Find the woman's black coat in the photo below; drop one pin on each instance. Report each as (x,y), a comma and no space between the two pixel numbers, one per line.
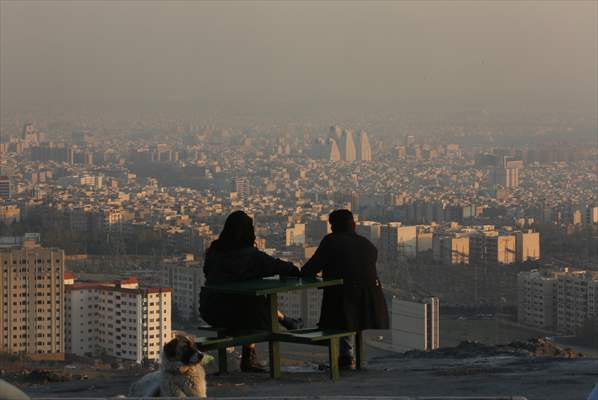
(239,311)
(359,303)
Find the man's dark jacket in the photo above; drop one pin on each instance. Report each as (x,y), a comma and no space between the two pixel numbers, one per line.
(359,303)
(238,311)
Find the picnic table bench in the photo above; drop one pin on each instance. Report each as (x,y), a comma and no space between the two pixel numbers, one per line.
(270,288)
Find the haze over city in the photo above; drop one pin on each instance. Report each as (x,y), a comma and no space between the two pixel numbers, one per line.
(322,57)
(222,186)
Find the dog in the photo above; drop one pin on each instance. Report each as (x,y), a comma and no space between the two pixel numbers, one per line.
(181,373)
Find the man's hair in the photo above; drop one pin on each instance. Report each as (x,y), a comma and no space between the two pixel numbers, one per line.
(341,220)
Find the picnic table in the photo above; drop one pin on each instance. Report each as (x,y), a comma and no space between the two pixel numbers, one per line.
(270,287)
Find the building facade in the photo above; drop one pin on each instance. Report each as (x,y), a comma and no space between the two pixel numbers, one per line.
(450,249)
(576,300)
(117,319)
(537,299)
(185,278)
(562,301)
(32,307)
(415,324)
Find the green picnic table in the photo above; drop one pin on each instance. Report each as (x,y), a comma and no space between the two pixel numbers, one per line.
(270,287)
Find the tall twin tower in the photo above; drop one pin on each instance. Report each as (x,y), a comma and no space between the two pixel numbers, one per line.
(341,146)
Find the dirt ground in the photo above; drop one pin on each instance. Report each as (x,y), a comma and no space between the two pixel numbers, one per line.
(387,374)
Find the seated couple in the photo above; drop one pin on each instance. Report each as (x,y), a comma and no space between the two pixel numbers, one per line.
(356,305)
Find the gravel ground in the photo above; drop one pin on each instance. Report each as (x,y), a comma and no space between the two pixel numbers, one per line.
(386,375)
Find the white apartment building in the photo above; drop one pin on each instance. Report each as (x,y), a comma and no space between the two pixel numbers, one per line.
(415,324)
(32,299)
(117,318)
(537,299)
(562,300)
(185,278)
(576,300)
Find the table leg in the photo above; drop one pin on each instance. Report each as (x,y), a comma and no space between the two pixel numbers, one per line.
(222,358)
(274,346)
(359,350)
(333,353)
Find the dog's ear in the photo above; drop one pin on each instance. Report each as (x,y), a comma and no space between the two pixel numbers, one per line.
(170,348)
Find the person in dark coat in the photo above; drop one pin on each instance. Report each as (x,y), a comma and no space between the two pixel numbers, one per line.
(233,257)
(359,303)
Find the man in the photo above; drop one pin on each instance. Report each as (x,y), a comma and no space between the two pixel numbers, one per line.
(359,303)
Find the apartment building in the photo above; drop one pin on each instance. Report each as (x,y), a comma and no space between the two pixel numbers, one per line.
(117,318)
(562,300)
(369,230)
(528,246)
(415,324)
(397,241)
(537,299)
(492,247)
(185,277)
(9,213)
(315,230)
(4,187)
(32,292)
(425,238)
(576,300)
(304,304)
(450,248)
(295,235)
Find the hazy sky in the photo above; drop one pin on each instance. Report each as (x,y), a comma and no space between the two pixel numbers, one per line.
(504,54)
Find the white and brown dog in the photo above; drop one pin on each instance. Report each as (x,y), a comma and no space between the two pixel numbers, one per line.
(181,373)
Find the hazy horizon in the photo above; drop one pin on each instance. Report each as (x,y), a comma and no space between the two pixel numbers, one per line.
(257,56)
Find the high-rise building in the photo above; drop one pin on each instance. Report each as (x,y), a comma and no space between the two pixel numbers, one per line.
(450,248)
(364,150)
(117,318)
(30,134)
(348,151)
(9,213)
(32,307)
(563,300)
(492,247)
(590,214)
(332,152)
(528,246)
(335,132)
(369,230)
(506,172)
(577,300)
(537,299)
(185,278)
(315,230)
(397,241)
(304,304)
(295,235)
(4,187)
(241,187)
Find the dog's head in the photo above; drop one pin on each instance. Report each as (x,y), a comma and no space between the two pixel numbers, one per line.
(181,351)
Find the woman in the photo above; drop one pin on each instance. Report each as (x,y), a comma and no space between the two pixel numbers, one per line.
(233,257)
